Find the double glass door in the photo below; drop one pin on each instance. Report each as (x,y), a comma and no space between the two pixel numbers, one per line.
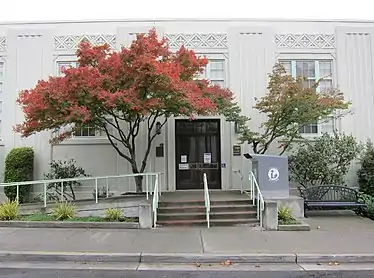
(197,152)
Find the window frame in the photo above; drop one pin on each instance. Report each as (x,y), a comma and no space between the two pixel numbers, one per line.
(316,57)
(2,79)
(98,139)
(216,57)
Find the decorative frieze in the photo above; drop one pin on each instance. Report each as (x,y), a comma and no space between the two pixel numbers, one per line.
(2,44)
(71,42)
(197,40)
(305,40)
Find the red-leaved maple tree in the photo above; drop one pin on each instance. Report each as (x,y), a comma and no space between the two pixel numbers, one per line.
(119,92)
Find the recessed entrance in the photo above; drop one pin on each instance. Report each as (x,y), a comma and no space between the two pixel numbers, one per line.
(198,151)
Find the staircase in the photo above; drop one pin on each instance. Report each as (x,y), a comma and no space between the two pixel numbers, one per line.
(228,208)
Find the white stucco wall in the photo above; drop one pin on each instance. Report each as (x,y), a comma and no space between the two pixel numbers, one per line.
(249,48)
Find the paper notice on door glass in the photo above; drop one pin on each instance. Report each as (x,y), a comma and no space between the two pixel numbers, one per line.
(184,166)
(207,158)
(184,158)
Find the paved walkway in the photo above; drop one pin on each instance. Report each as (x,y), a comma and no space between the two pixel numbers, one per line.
(343,233)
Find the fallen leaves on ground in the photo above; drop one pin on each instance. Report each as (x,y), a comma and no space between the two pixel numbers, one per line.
(226,263)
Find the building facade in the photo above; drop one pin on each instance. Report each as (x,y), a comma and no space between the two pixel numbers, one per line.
(241,53)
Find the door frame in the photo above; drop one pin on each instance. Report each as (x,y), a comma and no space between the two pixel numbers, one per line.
(219,149)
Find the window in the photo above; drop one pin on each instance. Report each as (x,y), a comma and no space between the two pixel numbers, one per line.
(1,91)
(61,65)
(312,71)
(91,131)
(86,130)
(215,72)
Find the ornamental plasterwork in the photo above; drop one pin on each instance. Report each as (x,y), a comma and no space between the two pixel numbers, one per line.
(71,42)
(305,40)
(198,41)
(2,44)
(209,40)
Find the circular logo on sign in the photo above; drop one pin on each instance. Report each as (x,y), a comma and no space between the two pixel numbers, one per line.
(273,174)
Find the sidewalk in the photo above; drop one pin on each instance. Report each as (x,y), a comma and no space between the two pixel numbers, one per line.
(335,235)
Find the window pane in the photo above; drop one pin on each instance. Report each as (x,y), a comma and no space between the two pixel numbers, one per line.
(309,83)
(305,68)
(309,129)
(92,131)
(217,64)
(1,69)
(216,74)
(65,65)
(325,69)
(325,85)
(1,87)
(287,66)
(220,83)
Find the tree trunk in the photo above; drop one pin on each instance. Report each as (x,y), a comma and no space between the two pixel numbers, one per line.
(139,184)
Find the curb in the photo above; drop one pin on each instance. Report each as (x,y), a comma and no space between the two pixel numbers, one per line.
(82,257)
(341,258)
(70,225)
(180,258)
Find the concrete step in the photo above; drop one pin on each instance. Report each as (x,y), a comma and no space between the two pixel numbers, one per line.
(201,208)
(202,215)
(203,222)
(193,203)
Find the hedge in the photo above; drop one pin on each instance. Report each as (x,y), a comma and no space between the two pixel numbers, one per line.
(19,166)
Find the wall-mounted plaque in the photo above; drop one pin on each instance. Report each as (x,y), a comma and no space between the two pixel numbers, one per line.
(160,151)
(236,150)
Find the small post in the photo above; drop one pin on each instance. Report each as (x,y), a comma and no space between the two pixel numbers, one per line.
(258,204)
(146,185)
(107,188)
(17,196)
(96,193)
(62,191)
(159,183)
(45,194)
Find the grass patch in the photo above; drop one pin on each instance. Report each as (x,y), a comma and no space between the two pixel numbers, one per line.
(289,222)
(48,217)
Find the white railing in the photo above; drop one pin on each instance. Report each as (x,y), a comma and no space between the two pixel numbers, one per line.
(96,180)
(206,199)
(156,196)
(256,196)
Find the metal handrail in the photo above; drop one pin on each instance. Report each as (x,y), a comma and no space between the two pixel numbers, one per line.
(206,199)
(256,196)
(156,197)
(96,179)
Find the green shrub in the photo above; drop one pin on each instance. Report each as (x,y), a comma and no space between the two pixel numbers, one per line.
(19,166)
(9,210)
(285,214)
(323,161)
(113,214)
(366,173)
(63,170)
(64,211)
(368,212)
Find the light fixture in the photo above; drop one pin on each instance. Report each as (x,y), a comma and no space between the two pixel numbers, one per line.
(236,127)
(158,128)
